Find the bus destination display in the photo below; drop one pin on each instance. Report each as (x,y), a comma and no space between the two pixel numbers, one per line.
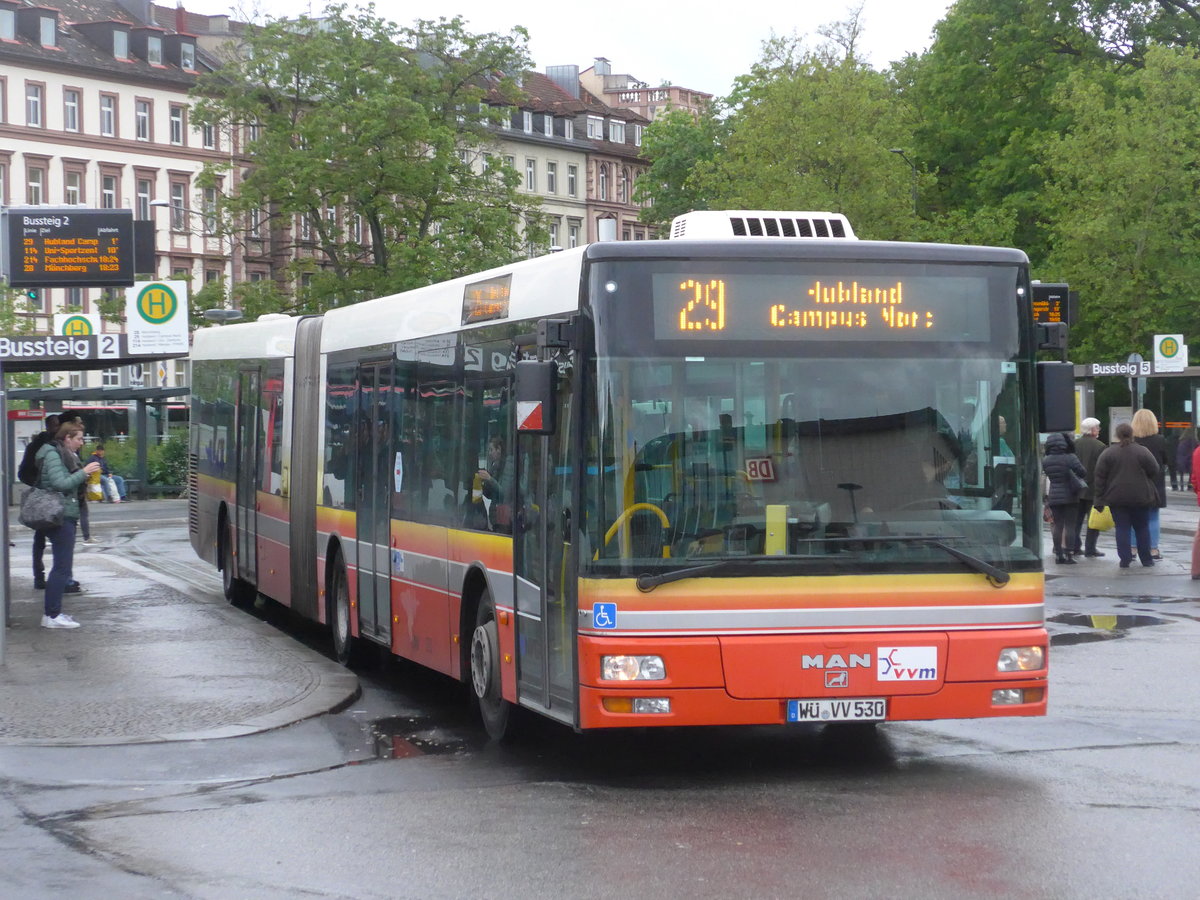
(69,247)
(831,307)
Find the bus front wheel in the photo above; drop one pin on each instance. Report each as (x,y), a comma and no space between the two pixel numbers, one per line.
(237,591)
(485,670)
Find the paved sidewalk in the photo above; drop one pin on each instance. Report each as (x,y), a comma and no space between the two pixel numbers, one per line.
(160,655)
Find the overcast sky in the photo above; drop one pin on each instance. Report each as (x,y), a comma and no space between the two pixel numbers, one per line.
(697,45)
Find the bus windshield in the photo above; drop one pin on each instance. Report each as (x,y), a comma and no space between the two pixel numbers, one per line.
(857,458)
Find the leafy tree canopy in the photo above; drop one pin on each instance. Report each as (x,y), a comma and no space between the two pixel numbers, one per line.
(371,135)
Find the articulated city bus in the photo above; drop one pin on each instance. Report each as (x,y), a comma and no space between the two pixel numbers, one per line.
(761,472)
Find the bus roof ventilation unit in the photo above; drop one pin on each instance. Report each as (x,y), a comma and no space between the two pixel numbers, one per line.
(713,225)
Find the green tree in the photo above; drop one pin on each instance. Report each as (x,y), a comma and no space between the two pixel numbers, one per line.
(814,130)
(676,143)
(366,128)
(1122,188)
(16,318)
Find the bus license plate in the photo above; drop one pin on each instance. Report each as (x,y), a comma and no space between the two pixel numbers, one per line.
(861,709)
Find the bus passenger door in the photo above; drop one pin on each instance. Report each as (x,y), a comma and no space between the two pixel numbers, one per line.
(544,565)
(373,495)
(249,472)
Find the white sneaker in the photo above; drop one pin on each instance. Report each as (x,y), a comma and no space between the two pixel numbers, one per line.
(62,620)
(91,540)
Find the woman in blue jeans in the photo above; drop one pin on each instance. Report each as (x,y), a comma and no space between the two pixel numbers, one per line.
(1125,481)
(59,469)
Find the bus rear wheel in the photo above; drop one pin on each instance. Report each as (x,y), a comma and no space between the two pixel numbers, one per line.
(494,710)
(237,591)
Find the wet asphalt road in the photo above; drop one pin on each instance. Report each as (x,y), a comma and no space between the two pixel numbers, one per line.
(399,796)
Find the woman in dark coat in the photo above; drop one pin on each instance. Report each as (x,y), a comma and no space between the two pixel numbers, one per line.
(1125,481)
(1145,432)
(1059,463)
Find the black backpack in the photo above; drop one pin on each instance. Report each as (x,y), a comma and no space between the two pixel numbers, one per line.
(27,472)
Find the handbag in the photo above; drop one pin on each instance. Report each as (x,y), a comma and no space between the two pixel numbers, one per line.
(1101,519)
(1078,485)
(41,509)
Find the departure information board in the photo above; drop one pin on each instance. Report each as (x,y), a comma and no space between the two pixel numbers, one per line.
(68,247)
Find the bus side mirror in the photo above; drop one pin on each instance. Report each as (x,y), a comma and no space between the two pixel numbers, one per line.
(1056,396)
(537,412)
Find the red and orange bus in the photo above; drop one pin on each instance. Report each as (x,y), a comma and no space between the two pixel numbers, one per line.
(761,472)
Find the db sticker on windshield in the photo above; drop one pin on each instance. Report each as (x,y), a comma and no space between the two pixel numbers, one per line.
(760,469)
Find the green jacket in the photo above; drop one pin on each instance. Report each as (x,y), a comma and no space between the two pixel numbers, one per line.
(55,477)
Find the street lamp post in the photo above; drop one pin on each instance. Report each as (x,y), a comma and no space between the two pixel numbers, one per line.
(900,152)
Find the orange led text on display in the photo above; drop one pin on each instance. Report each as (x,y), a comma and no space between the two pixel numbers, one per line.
(836,306)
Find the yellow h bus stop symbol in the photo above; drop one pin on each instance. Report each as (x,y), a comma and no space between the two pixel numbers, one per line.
(157,303)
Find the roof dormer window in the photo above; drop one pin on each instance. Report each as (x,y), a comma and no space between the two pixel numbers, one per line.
(8,24)
(187,56)
(121,44)
(154,50)
(47,26)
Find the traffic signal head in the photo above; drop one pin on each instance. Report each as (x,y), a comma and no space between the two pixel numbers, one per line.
(32,295)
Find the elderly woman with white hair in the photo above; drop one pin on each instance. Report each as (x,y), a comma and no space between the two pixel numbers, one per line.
(1088,448)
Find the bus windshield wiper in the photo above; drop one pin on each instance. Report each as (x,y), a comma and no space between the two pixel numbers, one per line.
(647,582)
(996,576)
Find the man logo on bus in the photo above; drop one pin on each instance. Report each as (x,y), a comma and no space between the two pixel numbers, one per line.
(157,304)
(907,664)
(77,326)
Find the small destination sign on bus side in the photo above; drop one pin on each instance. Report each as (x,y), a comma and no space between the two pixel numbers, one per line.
(68,247)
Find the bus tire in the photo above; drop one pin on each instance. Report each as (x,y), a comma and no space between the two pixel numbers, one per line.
(238,592)
(494,710)
(345,645)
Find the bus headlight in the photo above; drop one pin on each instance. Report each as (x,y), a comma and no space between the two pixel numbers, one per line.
(632,668)
(1021,659)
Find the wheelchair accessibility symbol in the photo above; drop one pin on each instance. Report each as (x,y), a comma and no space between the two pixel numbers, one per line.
(604,615)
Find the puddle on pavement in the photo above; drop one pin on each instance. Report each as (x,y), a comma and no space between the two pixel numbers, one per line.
(1099,627)
(407,736)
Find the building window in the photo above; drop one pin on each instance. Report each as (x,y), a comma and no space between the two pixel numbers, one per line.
(531,174)
(623,187)
(75,298)
(254,224)
(33,105)
(602,191)
(637,135)
(49,33)
(73,188)
(210,210)
(36,178)
(121,44)
(8,24)
(253,130)
(527,121)
(569,129)
(108,115)
(572,181)
(572,234)
(305,227)
(548,125)
(141,116)
(595,127)
(178,206)
(551,178)
(187,56)
(553,234)
(616,131)
(506,120)
(108,191)
(356,229)
(144,194)
(176,124)
(70,110)
(154,50)
(209,136)
(110,377)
